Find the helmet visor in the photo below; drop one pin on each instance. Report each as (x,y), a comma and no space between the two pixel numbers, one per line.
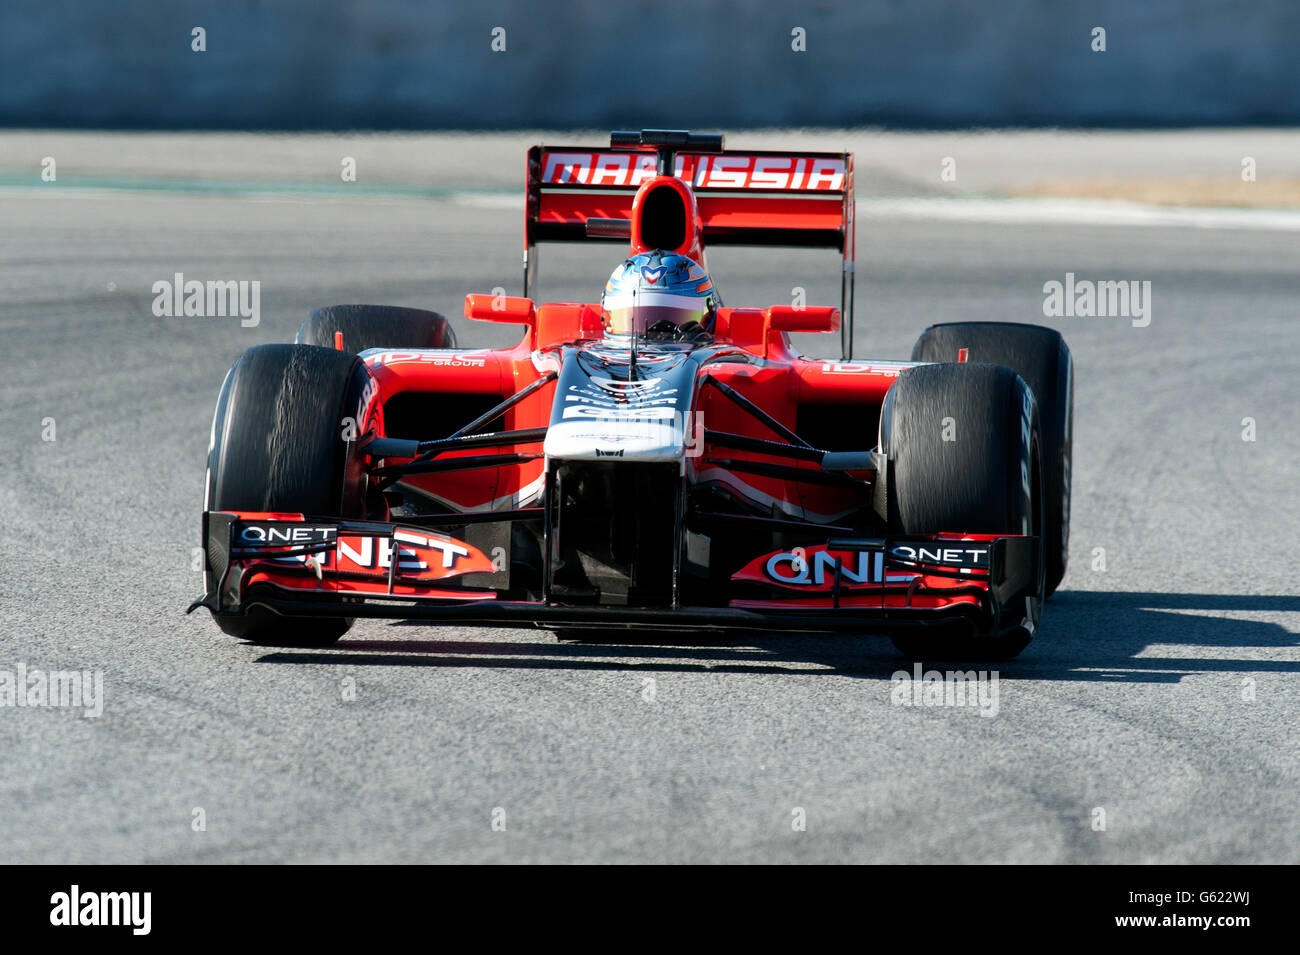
(628,315)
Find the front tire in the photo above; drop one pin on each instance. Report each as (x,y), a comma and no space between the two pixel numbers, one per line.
(281,442)
(963,448)
(1040,356)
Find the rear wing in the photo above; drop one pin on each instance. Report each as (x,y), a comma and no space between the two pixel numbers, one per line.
(745,197)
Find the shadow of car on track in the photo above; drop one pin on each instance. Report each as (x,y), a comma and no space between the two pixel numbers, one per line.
(1087,636)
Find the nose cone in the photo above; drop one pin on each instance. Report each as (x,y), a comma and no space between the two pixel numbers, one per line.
(604,412)
(591,435)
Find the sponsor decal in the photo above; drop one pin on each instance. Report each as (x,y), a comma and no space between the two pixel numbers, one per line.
(614,411)
(608,391)
(606,437)
(284,535)
(814,567)
(644,429)
(440,358)
(967,556)
(888,369)
(377,552)
(600,169)
(424,555)
(817,568)
(367,398)
(760,173)
(616,386)
(614,400)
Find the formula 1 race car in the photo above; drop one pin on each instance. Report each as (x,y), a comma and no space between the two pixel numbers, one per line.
(654,461)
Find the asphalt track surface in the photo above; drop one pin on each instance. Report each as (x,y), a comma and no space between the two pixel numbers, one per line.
(1162,689)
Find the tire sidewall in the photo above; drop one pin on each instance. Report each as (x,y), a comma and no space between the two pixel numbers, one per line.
(1039,355)
(1006,463)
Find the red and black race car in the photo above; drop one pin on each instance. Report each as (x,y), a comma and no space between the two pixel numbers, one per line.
(655,461)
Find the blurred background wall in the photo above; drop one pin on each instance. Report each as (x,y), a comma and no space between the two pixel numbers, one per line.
(323,64)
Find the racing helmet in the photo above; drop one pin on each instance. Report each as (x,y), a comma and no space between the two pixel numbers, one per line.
(658,293)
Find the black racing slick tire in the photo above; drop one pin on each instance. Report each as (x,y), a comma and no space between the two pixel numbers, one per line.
(1040,356)
(376,326)
(963,452)
(282,441)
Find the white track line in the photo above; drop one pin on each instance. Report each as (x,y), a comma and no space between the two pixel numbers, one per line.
(1102,212)
(994,211)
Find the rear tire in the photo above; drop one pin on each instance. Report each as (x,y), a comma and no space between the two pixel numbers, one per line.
(964,455)
(376,326)
(1040,356)
(278,445)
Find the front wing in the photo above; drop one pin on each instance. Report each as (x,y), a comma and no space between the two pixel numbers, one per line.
(306,567)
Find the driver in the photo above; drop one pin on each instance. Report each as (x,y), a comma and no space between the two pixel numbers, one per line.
(660,296)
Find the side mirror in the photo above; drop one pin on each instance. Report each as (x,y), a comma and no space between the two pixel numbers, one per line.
(810,318)
(510,309)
